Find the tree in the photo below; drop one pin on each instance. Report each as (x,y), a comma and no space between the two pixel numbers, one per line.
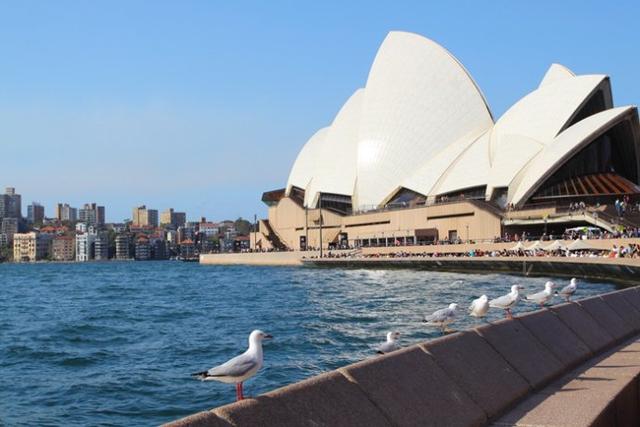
(243,227)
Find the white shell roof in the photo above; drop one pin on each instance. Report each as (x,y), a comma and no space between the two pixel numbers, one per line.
(418,100)
(338,156)
(556,72)
(470,169)
(421,123)
(305,167)
(534,122)
(568,143)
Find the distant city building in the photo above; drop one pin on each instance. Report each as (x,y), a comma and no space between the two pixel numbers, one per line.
(187,249)
(64,212)
(81,227)
(101,247)
(92,214)
(10,204)
(172,237)
(35,213)
(4,240)
(170,217)
(209,229)
(159,250)
(122,247)
(85,246)
(63,248)
(186,232)
(30,247)
(142,249)
(142,217)
(9,227)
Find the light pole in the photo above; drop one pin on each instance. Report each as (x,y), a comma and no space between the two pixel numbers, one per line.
(320,202)
(255,232)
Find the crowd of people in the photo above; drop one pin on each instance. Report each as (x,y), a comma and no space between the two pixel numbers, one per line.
(631,250)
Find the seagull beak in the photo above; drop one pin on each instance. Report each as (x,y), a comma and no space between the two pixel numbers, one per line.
(268,336)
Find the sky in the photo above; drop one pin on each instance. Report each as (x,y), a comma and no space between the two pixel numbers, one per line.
(203,105)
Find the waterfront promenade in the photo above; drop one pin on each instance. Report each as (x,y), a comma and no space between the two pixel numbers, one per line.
(573,364)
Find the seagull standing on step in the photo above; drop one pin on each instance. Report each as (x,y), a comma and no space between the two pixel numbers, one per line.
(542,297)
(240,368)
(568,291)
(391,344)
(442,317)
(508,301)
(479,307)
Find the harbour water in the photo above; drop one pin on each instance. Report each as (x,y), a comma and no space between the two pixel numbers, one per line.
(114,343)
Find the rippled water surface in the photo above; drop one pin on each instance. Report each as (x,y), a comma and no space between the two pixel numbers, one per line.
(114,343)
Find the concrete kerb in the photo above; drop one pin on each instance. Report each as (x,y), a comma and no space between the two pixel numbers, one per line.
(201,419)
(561,341)
(530,358)
(412,390)
(624,309)
(325,400)
(602,313)
(584,326)
(632,295)
(479,370)
(601,392)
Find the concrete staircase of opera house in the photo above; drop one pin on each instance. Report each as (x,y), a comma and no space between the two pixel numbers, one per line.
(574,364)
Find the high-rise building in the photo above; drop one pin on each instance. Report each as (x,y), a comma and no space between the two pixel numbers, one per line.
(122,246)
(143,248)
(10,204)
(29,247)
(9,227)
(62,248)
(101,247)
(92,214)
(143,217)
(85,246)
(35,213)
(64,212)
(170,217)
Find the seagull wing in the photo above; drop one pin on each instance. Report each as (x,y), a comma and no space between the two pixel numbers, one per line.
(439,315)
(386,347)
(568,290)
(502,302)
(537,296)
(473,305)
(236,367)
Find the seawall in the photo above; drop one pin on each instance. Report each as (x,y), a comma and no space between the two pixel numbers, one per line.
(621,270)
(574,364)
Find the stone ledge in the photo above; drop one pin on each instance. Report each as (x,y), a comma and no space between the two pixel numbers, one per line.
(471,378)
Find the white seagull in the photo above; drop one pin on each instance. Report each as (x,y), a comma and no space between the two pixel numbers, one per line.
(391,344)
(508,301)
(568,291)
(442,317)
(479,307)
(543,296)
(240,368)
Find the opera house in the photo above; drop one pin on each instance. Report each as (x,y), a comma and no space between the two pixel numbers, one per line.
(416,156)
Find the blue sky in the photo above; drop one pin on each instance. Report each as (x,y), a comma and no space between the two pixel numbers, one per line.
(202,105)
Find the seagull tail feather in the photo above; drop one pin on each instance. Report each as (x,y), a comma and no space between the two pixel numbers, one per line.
(202,374)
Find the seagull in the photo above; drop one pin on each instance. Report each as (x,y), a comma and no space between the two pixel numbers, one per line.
(479,307)
(240,368)
(508,301)
(568,291)
(544,296)
(390,344)
(442,317)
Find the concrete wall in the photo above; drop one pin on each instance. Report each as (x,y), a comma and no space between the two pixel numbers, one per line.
(623,270)
(292,258)
(572,364)
(288,220)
